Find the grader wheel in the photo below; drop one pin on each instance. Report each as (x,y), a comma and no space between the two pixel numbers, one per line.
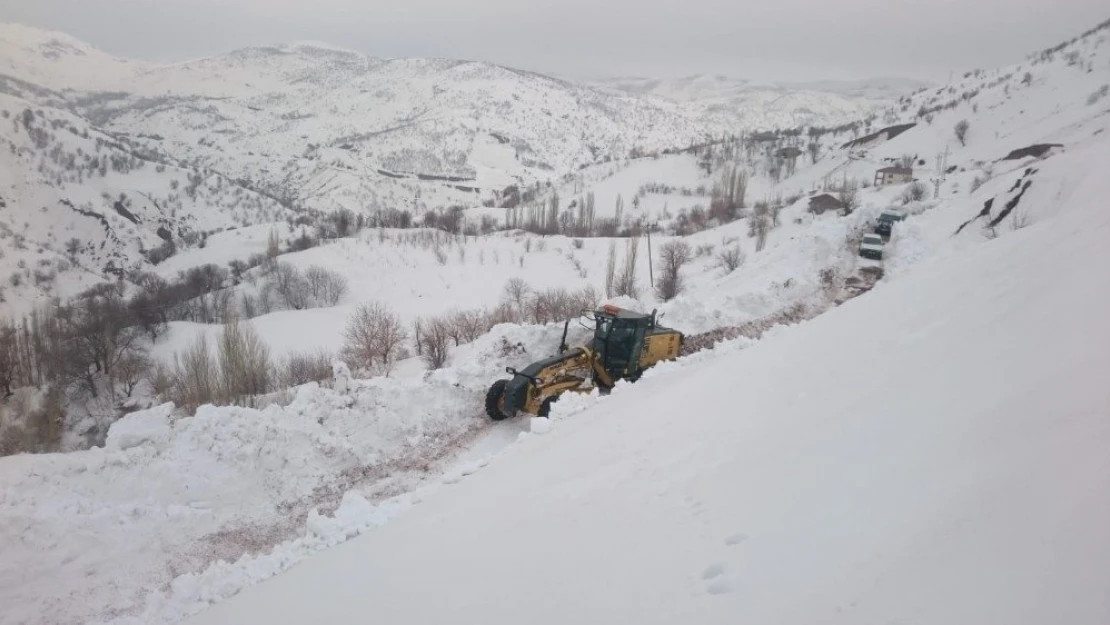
(495,400)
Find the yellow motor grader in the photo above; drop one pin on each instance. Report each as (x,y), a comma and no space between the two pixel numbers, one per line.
(624,345)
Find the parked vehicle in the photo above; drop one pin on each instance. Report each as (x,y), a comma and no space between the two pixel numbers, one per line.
(871,247)
(886,222)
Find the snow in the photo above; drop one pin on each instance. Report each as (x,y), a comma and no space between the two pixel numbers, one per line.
(928,469)
(149,427)
(932,451)
(169,497)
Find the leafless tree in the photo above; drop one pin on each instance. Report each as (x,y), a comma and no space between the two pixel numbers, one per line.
(293,288)
(301,368)
(961,131)
(245,366)
(373,336)
(516,293)
(849,197)
(327,287)
(626,281)
(672,256)
(132,369)
(436,340)
(333,289)
(468,325)
(611,271)
(731,257)
(9,357)
(195,376)
(914,193)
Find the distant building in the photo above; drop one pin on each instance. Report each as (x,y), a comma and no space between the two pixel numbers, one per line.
(893,175)
(818,204)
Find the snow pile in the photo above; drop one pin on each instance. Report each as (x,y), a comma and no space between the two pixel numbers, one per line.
(148,427)
(202,499)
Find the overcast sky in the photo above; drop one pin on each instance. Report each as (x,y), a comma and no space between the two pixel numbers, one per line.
(757,39)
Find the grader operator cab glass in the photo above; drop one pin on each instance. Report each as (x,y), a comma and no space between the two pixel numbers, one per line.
(616,339)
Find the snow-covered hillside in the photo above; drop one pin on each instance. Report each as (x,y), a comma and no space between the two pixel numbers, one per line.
(81,206)
(930,452)
(734,104)
(919,438)
(881,437)
(335,127)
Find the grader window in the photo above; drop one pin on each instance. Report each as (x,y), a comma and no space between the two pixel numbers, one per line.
(616,339)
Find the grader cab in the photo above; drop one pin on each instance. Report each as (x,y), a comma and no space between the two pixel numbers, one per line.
(624,345)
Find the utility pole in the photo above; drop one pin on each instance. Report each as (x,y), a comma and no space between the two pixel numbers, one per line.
(942,172)
(651,272)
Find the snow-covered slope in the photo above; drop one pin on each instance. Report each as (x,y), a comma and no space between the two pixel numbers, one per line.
(756,105)
(336,128)
(80,206)
(738,105)
(934,451)
(58,61)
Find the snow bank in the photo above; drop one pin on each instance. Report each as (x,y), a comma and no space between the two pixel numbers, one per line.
(148,427)
(195,504)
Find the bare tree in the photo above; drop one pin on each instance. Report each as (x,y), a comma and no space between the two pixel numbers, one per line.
(160,378)
(849,197)
(672,257)
(436,339)
(101,334)
(273,249)
(47,424)
(315,276)
(611,271)
(516,293)
(291,286)
(468,325)
(333,288)
(814,150)
(132,369)
(9,358)
(327,287)
(914,193)
(245,367)
(194,379)
(302,368)
(760,224)
(961,131)
(626,282)
(730,258)
(418,336)
(373,336)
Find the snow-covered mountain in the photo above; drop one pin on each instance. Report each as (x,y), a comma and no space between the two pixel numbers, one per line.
(719,99)
(312,127)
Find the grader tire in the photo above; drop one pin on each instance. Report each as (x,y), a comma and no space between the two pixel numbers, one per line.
(545,407)
(495,400)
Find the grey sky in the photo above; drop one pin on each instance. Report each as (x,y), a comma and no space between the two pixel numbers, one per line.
(762,40)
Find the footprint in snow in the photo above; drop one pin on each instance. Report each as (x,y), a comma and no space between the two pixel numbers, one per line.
(716,583)
(719,586)
(716,569)
(736,539)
